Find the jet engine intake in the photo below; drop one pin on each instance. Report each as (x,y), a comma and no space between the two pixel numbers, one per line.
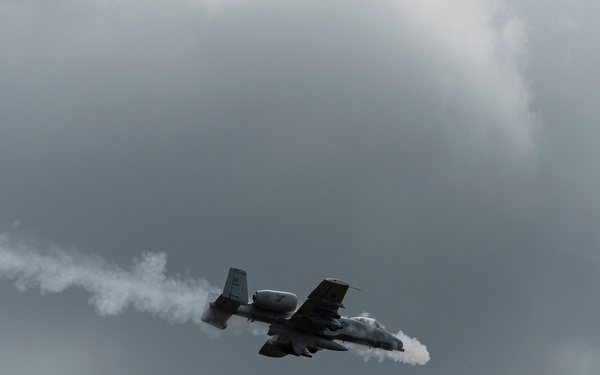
(275,300)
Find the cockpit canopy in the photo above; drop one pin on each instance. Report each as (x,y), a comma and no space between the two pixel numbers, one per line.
(370,321)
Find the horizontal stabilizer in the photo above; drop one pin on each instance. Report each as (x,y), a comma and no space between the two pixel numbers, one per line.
(214,316)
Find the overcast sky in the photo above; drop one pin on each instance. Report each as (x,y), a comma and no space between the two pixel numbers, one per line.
(442,156)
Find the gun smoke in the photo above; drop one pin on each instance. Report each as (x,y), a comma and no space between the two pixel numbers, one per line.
(414,353)
(143,287)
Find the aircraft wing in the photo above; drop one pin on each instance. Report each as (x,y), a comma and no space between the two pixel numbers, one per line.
(274,348)
(320,311)
(298,344)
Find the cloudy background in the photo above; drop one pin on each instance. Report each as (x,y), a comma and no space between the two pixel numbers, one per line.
(441,156)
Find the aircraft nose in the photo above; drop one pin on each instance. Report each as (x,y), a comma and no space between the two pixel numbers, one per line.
(400,346)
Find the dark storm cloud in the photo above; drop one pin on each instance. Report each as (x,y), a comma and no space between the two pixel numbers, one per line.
(438,156)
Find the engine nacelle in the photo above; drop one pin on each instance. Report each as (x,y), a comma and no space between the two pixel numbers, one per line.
(275,300)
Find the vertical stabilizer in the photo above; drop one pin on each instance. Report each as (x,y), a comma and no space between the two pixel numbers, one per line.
(236,287)
(219,309)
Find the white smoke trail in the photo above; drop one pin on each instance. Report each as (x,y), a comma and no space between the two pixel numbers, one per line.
(144,287)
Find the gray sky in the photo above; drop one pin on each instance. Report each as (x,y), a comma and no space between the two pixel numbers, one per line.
(441,156)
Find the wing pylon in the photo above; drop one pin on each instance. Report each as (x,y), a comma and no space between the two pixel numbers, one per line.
(320,311)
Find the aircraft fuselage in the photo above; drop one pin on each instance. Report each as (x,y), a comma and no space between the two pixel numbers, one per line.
(350,330)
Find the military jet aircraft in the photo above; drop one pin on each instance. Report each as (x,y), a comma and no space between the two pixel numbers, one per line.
(314,326)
